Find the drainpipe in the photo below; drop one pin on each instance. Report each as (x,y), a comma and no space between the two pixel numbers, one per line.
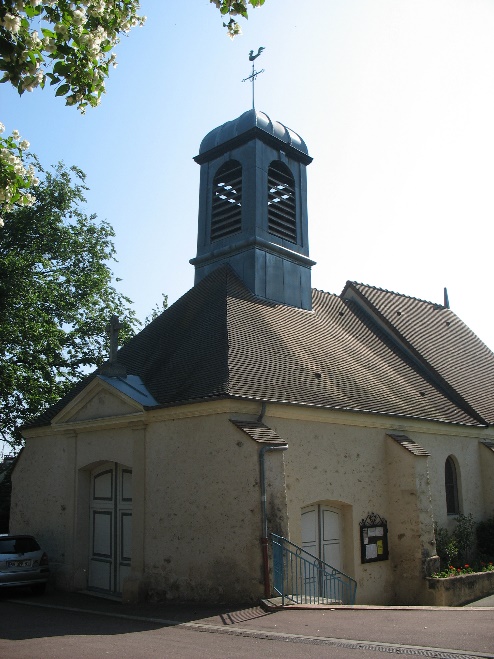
(264,538)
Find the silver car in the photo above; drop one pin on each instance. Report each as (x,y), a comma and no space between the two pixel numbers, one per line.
(23,563)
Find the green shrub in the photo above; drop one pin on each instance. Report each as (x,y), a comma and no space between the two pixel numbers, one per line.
(446,547)
(485,539)
(465,537)
(458,547)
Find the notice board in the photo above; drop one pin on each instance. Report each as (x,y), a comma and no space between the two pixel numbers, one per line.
(373,539)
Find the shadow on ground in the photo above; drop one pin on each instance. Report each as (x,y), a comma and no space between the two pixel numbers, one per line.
(23,615)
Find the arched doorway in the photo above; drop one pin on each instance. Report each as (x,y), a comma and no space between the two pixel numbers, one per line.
(110,522)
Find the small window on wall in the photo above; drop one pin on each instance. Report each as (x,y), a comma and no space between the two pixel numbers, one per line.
(226,217)
(281,202)
(451,484)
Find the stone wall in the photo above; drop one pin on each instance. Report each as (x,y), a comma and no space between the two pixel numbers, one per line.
(456,591)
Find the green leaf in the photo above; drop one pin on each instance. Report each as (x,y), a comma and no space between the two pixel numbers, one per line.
(31,11)
(62,68)
(54,79)
(62,90)
(64,49)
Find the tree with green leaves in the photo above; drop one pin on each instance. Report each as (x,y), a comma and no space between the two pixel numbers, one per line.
(57,294)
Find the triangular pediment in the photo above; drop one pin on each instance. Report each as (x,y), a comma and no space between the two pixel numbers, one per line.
(99,400)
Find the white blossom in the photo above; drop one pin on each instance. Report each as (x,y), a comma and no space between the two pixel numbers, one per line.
(35,40)
(12,23)
(79,17)
(62,30)
(50,45)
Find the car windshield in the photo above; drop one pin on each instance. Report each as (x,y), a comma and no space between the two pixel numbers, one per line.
(18,545)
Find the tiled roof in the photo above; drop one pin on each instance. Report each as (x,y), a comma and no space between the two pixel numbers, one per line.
(408,444)
(441,341)
(259,432)
(220,341)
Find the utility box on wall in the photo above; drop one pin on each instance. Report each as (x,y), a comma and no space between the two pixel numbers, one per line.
(373,539)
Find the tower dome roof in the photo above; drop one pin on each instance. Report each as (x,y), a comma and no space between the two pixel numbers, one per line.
(247,121)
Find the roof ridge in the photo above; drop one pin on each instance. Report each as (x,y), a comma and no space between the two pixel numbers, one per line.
(321,290)
(387,290)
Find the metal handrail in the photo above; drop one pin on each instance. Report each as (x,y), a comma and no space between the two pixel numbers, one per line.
(306,579)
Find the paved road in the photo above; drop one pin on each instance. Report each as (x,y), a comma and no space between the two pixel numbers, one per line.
(74,625)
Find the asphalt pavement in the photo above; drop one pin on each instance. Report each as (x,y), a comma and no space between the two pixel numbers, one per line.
(439,632)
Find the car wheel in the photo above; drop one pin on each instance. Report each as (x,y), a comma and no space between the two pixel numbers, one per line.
(38,588)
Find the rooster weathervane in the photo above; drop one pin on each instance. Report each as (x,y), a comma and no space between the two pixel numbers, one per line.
(254,73)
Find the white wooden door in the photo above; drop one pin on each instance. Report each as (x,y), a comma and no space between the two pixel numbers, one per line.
(330,536)
(321,533)
(110,528)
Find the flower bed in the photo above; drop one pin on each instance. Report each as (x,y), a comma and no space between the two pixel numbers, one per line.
(457,586)
(465,569)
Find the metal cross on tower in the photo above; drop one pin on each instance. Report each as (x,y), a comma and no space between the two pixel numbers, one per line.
(254,73)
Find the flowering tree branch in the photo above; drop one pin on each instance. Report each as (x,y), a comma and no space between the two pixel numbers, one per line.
(71,45)
(68,44)
(233,9)
(17,176)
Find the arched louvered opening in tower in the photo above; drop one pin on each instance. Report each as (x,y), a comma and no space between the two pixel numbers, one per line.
(227,200)
(281,202)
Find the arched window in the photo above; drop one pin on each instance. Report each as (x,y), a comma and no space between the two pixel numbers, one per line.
(451,485)
(226,216)
(281,202)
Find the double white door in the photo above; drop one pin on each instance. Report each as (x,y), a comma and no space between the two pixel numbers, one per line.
(321,533)
(110,527)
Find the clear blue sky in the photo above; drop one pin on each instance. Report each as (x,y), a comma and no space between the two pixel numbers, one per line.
(394,98)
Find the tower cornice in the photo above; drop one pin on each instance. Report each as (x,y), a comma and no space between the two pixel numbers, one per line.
(253,133)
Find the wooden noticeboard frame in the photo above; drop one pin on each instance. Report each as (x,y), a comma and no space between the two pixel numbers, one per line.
(374,539)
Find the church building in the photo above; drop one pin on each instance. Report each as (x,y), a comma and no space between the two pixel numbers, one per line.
(347,425)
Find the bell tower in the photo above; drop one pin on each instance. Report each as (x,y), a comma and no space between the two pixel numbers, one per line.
(253,208)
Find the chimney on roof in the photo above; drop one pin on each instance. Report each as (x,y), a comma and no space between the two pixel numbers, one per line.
(446,298)
(112,368)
